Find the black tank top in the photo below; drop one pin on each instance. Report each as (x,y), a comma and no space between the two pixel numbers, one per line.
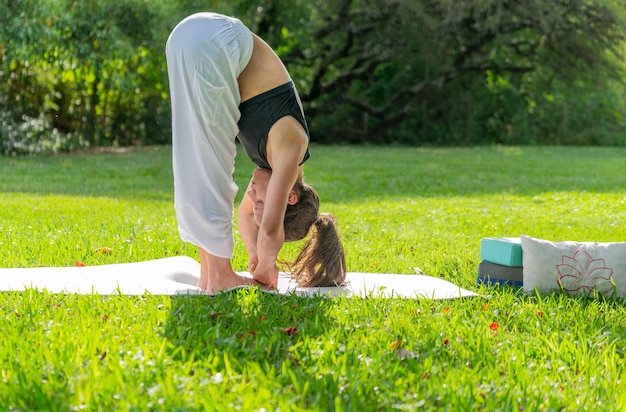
(260,113)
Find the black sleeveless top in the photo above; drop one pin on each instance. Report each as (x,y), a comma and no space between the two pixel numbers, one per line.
(260,113)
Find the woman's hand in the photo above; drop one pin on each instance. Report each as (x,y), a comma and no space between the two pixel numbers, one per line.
(267,276)
(252,263)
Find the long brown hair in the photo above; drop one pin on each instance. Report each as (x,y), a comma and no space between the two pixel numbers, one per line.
(321,261)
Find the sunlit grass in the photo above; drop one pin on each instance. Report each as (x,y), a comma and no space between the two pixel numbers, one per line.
(398,208)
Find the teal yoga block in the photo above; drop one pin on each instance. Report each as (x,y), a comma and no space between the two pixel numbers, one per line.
(505,251)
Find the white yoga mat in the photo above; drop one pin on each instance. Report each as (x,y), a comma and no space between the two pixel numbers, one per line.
(179,275)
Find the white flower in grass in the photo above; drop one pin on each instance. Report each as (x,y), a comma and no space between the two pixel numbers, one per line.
(217,378)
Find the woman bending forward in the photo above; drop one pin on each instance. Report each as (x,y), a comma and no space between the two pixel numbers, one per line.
(227,83)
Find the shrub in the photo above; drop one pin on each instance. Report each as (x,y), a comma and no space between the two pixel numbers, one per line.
(34,135)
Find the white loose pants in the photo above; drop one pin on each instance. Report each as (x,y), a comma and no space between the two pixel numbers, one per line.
(206,53)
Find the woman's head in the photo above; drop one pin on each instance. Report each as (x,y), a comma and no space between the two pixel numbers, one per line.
(321,261)
(299,217)
(257,190)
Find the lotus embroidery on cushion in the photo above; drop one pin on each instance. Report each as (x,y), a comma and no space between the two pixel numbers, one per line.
(582,272)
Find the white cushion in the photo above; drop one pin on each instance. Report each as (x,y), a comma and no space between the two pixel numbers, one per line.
(579,268)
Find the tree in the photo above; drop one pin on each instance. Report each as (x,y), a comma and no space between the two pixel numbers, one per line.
(379,71)
(378,63)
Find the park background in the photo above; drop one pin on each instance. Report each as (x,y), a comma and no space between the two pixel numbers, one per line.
(78,74)
(504,85)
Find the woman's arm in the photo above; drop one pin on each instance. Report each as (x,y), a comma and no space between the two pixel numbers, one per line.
(248,230)
(287,143)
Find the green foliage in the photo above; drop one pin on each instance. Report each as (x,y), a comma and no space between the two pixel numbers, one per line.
(425,72)
(33,136)
(89,68)
(584,112)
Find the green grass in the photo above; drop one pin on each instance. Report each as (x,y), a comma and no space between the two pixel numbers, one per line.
(398,208)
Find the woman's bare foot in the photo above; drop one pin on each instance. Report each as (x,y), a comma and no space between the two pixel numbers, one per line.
(216,284)
(217,274)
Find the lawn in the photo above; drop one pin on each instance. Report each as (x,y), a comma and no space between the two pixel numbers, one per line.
(398,209)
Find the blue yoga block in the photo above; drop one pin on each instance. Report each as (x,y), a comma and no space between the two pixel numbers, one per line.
(505,251)
(492,274)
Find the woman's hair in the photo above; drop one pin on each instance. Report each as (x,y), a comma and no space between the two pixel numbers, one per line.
(321,261)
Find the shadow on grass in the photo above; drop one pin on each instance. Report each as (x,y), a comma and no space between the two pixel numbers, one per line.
(248,324)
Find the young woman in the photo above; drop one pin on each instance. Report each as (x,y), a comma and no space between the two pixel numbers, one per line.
(227,83)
